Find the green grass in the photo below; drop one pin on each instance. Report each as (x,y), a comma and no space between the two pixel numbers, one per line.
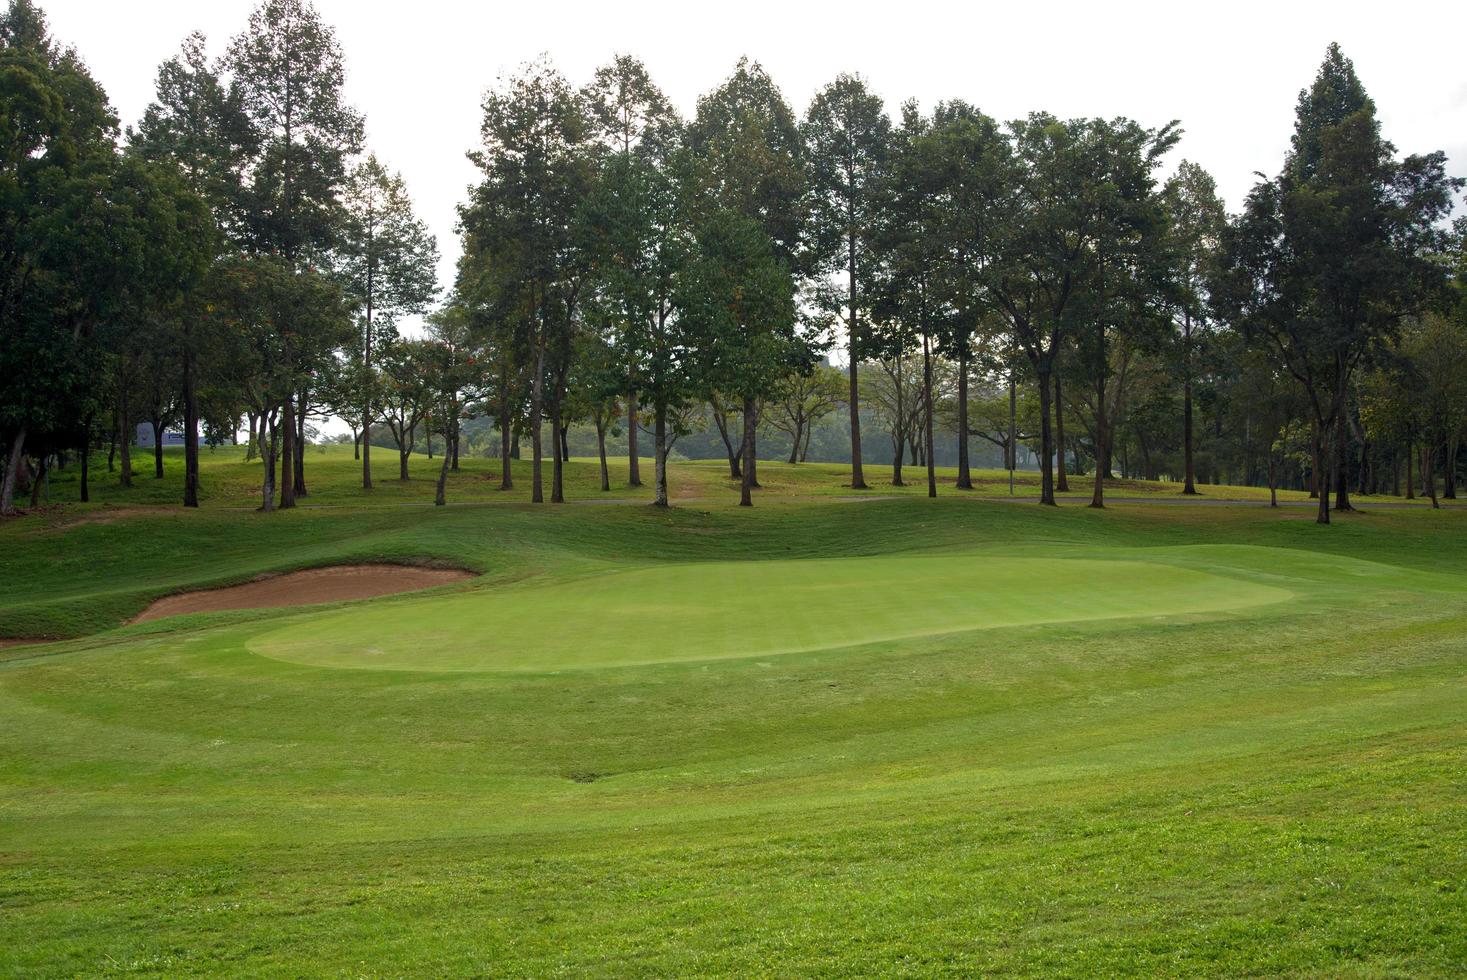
(908,737)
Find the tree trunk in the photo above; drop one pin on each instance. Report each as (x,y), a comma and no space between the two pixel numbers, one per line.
(565,443)
(720,421)
(267,463)
(440,496)
(746,498)
(751,433)
(1341,455)
(634,465)
(124,439)
(1410,476)
(1273,483)
(457,432)
(537,388)
(1046,440)
(1189,479)
(601,451)
(557,465)
(858,475)
(12,466)
(965,475)
(157,426)
(287,453)
(190,433)
(86,461)
(1428,472)
(1322,454)
(506,476)
(660,438)
(300,449)
(927,410)
(1449,474)
(1062,483)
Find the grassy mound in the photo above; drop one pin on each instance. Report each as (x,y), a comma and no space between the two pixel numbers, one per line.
(713,611)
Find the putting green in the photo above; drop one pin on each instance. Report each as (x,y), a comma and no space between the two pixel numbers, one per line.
(744,609)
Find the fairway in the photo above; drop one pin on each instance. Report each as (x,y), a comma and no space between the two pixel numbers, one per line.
(903,737)
(713,611)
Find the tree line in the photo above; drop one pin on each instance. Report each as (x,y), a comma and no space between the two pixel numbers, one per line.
(238,260)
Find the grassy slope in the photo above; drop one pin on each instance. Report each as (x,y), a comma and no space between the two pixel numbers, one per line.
(1267,790)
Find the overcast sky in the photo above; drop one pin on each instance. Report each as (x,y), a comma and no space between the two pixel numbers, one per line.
(1229,71)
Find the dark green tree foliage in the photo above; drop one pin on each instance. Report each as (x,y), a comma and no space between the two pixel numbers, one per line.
(1329,256)
(749,153)
(1045,236)
(910,298)
(287,72)
(641,135)
(737,299)
(847,138)
(1197,218)
(537,169)
(973,165)
(196,125)
(1126,288)
(635,234)
(389,261)
(57,137)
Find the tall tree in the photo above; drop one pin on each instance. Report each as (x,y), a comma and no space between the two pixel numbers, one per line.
(1329,256)
(737,299)
(56,148)
(847,138)
(197,124)
(639,127)
(389,260)
(1197,219)
(1044,236)
(748,162)
(537,168)
(973,164)
(288,71)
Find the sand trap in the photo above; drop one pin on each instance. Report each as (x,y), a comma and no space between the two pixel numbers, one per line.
(333,584)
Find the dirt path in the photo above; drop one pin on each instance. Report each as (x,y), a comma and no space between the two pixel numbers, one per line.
(333,584)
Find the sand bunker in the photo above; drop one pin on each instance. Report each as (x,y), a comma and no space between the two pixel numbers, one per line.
(314,585)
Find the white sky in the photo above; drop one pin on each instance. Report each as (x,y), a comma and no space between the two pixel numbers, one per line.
(1229,71)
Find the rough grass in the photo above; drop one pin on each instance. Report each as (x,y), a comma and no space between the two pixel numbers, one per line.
(1274,789)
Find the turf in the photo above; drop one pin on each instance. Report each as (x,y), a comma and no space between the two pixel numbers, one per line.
(1169,740)
(746,609)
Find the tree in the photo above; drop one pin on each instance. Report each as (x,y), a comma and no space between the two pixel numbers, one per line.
(1044,231)
(1125,283)
(288,71)
(537,168)
(1329,256)
(636,235)
(389,260)
(738,299)
(847,137)
(910,296)
(197,125)
(799,401)
(746,151)
(635,226)
(1197,220)
(410,392)
(56,146)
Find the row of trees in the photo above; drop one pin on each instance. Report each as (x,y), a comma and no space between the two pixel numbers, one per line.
(234,256)
(625,268)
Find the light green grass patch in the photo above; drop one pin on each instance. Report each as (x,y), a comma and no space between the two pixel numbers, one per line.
(719,610)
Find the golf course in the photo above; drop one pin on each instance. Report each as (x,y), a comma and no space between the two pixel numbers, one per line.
(834,733)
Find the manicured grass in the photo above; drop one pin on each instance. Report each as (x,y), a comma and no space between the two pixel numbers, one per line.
(904,737)
(746,609)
